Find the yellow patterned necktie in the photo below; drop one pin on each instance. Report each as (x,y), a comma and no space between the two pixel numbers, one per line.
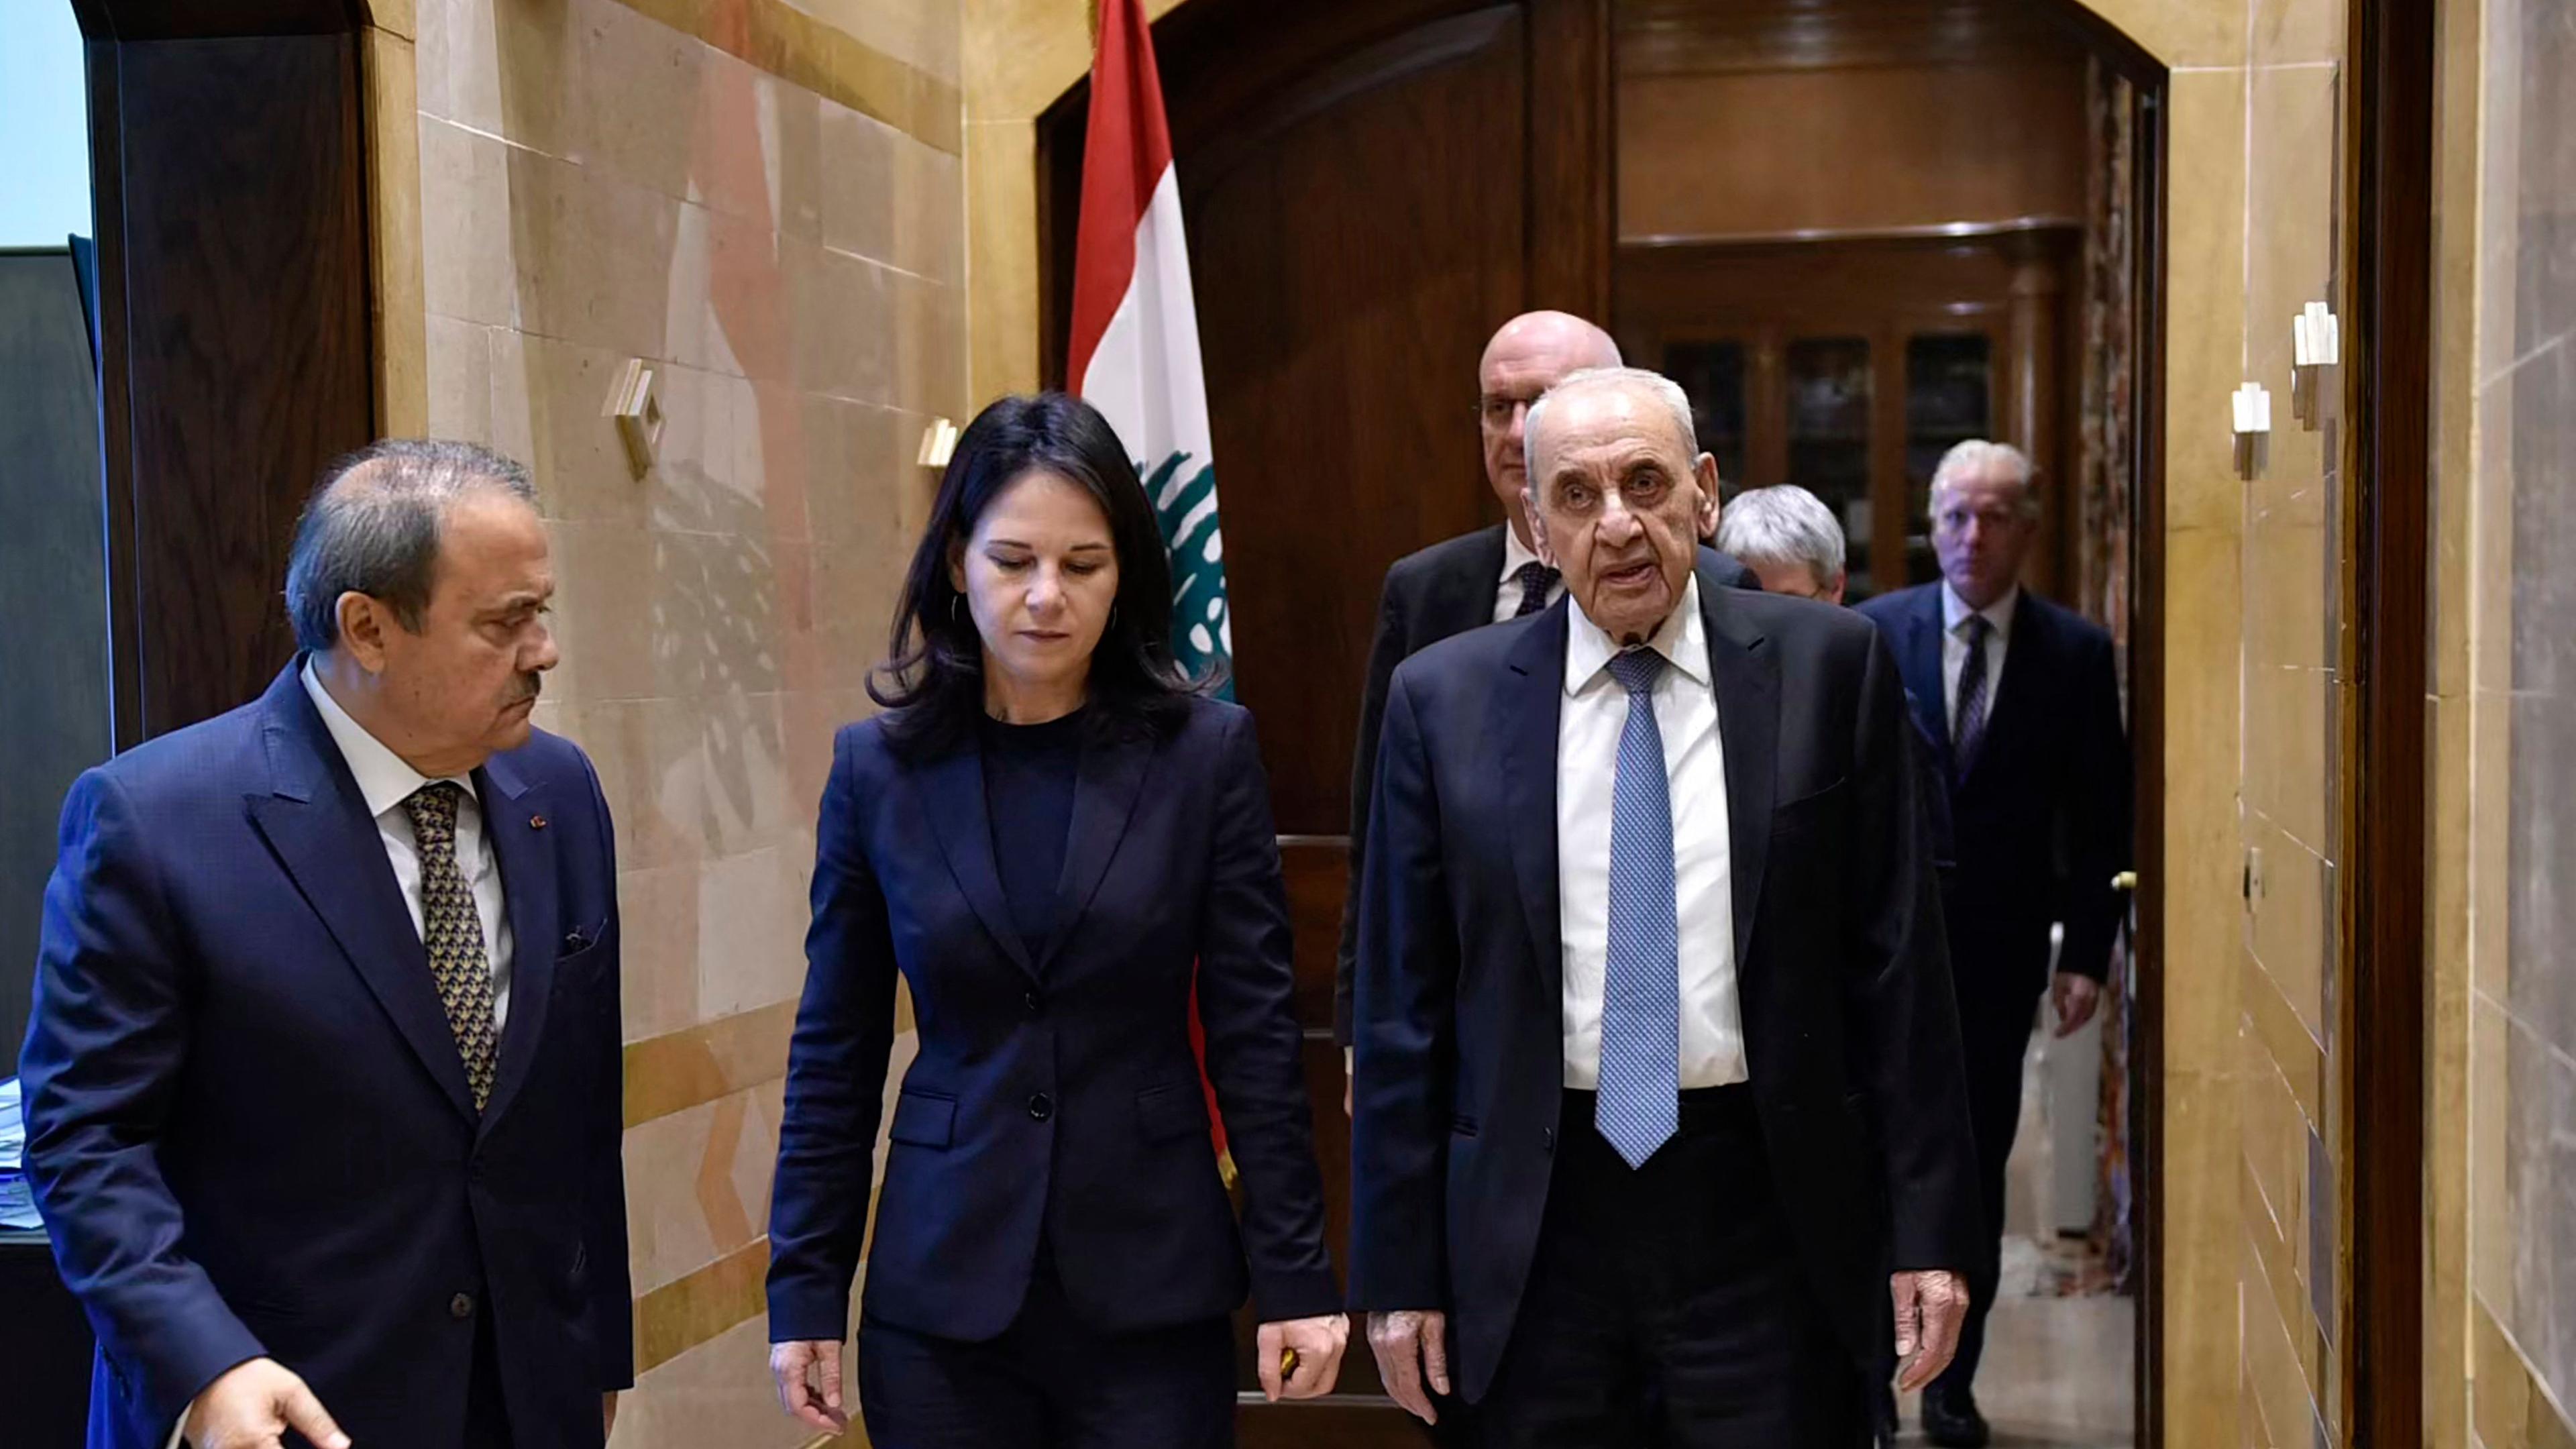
(453,932)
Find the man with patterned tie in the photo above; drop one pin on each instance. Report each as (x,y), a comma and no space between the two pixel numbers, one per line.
(322,1083)
(1486,577)
(2021,699)
(1659,1108)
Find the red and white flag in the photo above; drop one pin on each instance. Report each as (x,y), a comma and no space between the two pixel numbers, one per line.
(1135,352)
(1135,349)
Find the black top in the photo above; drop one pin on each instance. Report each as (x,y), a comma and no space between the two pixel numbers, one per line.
(1028,795)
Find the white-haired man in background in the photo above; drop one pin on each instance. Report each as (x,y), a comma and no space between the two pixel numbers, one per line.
(1790,540)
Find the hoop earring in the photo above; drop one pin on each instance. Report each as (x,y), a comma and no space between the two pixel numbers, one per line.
(953,601)
(1113,613)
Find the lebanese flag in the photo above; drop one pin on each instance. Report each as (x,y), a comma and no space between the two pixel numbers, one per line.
(1135,353)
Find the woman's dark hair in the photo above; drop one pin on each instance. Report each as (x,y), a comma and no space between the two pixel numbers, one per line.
(933,676)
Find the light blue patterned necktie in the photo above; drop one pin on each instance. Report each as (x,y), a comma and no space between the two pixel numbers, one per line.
(1639,1105)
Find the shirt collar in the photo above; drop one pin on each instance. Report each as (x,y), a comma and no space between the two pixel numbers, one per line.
(1682,639)
(1955,610)
(1516,555)
(384,780)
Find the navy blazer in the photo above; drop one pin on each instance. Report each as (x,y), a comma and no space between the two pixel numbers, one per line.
(248,1123)
(2041,823)
(1429,595)
(1054,1098)
(1850,1034)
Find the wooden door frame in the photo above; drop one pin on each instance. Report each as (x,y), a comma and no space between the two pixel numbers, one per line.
(2390,115)
(220,407)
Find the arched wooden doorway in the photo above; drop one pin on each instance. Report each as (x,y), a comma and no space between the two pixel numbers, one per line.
(1370,189)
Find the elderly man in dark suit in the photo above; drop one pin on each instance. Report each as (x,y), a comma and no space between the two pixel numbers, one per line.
(322,1082)
(1486,577)
(2021,699)
(1658,1089)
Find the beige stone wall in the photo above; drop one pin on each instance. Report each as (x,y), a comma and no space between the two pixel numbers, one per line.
(766,206)
(2501,1181)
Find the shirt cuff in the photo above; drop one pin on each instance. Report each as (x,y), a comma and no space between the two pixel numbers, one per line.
(178,1432)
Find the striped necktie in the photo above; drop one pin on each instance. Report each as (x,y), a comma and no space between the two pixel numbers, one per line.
(1968,728)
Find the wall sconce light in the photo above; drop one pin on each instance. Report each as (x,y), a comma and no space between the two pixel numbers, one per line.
(938,443)
(2253,408)
(2316,343)
(638,411)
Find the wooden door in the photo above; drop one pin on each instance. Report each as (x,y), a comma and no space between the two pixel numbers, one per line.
(1370,189)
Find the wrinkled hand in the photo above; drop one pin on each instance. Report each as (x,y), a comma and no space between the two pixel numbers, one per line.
(1318,1344)
(808,1372)
(1931,1307)
(1412,1347)
(254,1405)
(2075,998)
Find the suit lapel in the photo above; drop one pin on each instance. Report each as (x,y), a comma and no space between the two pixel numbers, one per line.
(1918,659)
(512,804)
(1105,787)
(1533,693)
(1466,598)
(316,821)
(1745,672)
(2015,700)
(953,791)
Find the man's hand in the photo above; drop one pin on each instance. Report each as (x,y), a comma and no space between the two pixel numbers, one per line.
(2075,998)
(1412,1347)
(253,1406)
(809,1382)
(1931,1307)
(608,1415)
(1318,1344)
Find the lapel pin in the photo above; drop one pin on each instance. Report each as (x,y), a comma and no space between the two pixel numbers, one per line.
(536,822)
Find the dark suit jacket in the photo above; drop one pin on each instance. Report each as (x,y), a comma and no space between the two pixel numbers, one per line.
(2041,823)
(248,1122)
(1850,1033)
(1054,1099)
(1430,595)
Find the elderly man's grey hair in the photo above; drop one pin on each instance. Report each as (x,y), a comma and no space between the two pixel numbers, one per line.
(1976,455)
(373,525)
(1604,379)
(1781,526)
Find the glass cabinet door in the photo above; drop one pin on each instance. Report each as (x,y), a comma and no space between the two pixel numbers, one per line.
(1828,387)
(1716,375)
(1949,398)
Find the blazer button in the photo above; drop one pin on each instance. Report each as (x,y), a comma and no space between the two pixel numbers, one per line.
(1031,1001)
(1041,1106)
(1547,1139)
(461,1306)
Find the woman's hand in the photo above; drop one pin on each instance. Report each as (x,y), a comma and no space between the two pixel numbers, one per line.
(1318,1344)
(809,1382)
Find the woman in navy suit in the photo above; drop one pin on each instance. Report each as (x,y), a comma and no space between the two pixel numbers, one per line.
(1049,830)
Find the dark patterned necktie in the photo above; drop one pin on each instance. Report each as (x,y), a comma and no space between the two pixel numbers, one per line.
(453,932)
(1968,727)
(1535,580)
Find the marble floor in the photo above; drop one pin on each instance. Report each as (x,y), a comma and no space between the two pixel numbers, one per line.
(2058,1369)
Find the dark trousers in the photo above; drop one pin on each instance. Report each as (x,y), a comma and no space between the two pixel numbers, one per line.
(1994,1033)
(1051,1381)
(1666,1305)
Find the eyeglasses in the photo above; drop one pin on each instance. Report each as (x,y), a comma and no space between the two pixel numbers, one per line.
(1497,412)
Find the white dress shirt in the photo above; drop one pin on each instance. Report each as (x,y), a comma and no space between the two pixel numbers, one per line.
(1507,593)
(1954,647)
(1587,761)
(386,782)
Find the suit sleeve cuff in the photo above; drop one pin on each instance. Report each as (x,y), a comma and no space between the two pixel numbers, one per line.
(1297,1295)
